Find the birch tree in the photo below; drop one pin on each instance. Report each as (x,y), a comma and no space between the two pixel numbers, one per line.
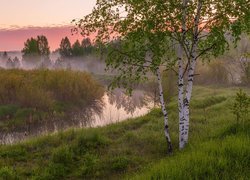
(135,57)
(201,28)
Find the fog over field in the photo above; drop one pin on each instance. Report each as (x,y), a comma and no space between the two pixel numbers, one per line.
(91,64)
(125,89)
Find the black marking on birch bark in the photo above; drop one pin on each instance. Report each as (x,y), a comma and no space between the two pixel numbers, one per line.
(166,126)
(191,75)
(185,101)
(180,85)
(190,80)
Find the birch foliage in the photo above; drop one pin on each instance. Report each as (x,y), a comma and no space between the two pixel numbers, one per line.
(201,28)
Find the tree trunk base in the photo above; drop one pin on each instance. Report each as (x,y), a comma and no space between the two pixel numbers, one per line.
(170,148)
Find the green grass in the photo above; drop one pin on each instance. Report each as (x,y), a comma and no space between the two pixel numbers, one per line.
(218,148)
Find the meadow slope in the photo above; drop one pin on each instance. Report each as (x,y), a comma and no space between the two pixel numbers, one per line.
(136,149)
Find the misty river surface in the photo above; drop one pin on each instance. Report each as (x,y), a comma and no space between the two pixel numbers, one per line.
(114,107)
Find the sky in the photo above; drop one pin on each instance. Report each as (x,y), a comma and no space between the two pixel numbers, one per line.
(21,19)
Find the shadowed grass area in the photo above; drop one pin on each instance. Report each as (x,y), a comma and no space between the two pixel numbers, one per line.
(218,147)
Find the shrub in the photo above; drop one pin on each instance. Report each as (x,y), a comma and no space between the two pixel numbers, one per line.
(241,106)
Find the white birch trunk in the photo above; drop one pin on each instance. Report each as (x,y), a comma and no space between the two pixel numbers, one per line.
(186,102)
(164,111)
(182,122)
(180,99)
(191,72)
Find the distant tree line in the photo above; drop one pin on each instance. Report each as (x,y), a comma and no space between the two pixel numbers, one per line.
(77,49)
(10,63)
(36,52)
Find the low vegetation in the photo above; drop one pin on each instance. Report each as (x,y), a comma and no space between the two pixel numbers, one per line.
(36,95)
(218,148)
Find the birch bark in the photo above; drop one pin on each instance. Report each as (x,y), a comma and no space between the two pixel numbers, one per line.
(180,99)
(164,111)
(191,70)
(182,122)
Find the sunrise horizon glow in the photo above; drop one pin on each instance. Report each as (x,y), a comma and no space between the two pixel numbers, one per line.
(25,19)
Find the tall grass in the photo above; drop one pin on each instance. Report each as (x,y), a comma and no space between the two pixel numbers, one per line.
(27,92)
(226,158)
(43,88)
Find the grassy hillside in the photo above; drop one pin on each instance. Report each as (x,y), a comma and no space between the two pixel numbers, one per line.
(218,147)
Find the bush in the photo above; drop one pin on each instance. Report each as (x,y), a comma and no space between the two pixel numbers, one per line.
(241,106)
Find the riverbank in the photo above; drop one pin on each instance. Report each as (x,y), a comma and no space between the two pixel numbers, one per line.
(218,148)
(46,100)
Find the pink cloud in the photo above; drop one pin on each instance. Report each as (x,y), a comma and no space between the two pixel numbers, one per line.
(13,39)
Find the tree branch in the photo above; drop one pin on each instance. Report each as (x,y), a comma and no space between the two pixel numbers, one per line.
(204,51)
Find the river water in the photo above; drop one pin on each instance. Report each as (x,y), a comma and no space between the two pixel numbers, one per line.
(114,107)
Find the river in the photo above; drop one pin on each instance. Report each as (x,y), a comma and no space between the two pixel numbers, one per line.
(114,107)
